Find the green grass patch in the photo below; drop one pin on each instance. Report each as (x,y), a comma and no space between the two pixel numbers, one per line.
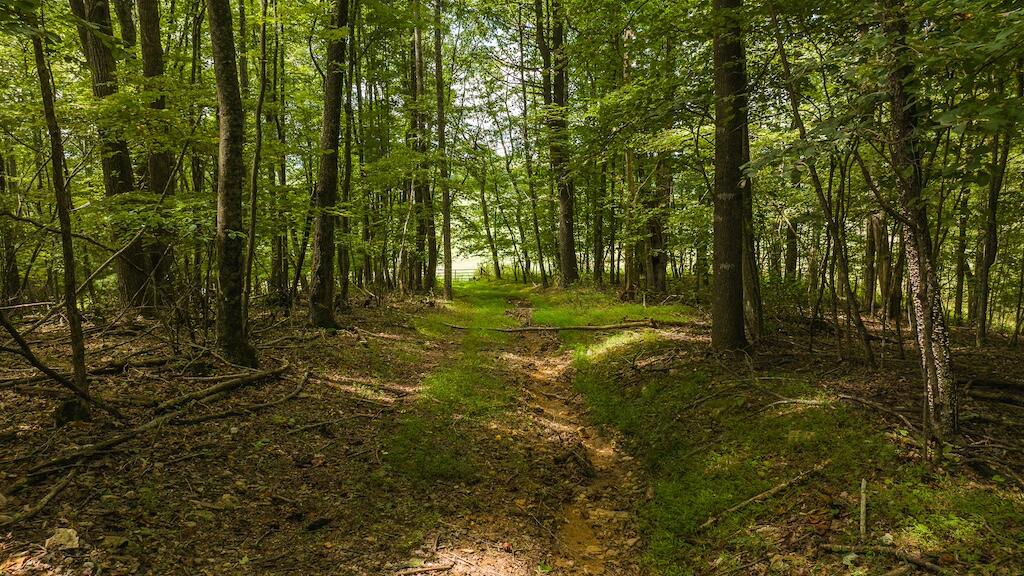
(708,444)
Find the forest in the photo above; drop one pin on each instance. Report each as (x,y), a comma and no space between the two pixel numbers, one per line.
(506,288)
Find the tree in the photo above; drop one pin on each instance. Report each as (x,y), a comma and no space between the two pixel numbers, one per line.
(442,151)
(231,323)
(730,135)
(321,291)
(63,204)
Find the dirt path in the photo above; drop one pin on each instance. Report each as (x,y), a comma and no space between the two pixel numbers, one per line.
(597,528)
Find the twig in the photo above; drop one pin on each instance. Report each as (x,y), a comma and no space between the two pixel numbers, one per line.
(915,560)
(425,569)
(57,488)
(766,494)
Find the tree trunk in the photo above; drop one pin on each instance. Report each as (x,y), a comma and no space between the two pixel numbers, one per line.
(231,330)
(10,281)
(345,252)
(160,161)
(487,221)
(933,341)
(792,250)
(118,177)
(560,148)
(730,131)
(527,150)
(961,261)
(997,171)
(63,201)
(257,158)
(442,152)
(321,290)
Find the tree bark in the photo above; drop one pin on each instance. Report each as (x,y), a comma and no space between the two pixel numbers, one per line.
(231,329)
(560,148)
(118,176)
(63,201)
(442,152)
(997,171)
(932,336)
(321,296)
(730,131)
(160,161)
(257,160)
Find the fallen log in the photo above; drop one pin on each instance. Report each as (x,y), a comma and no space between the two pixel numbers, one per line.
(220,387)
(1010,399)
(251,408)
(650,323)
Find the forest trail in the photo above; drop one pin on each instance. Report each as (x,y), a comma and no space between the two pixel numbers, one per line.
(581,514)
(595,527)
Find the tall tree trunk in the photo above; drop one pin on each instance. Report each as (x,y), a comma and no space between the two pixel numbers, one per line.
(243,48)
(127,22)
(487,220)
(10,280)
(257,160)
(442,152)
(560,148)
(160,161)
(321,290)
(118,177)
(997,171)
(63,201)
(597,217)
(531,183)
(961,261)
(932,336)
(730,131)
(345,251)
(231,329)
(792,250)
(657,225)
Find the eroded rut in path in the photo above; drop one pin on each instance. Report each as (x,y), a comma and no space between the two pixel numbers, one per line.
(597,531)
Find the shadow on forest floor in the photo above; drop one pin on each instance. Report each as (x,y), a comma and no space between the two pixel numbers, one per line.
(423,439)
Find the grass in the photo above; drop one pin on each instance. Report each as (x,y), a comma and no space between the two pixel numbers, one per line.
(706,452)
(706,443)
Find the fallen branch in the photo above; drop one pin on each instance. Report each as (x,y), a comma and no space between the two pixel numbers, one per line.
(425,569)
(30,512)
(896,553)
(589,328)
(225,386)
(766,494)
(25,351)
(245,410)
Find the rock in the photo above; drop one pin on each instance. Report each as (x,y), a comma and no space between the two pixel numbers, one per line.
(63,539)
(887,539)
